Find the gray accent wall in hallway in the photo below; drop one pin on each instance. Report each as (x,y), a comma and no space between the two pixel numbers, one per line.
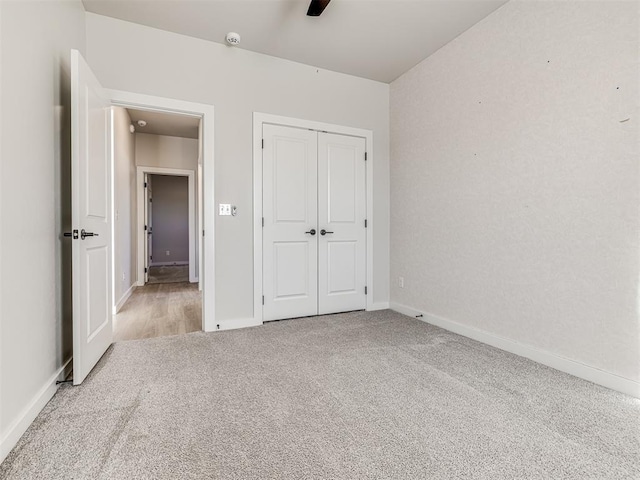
(170,212)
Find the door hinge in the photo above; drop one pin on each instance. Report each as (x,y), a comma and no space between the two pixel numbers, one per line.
(365,156)
(203,233)
(263,143)
(365,223)
(145,228)
(263,299)
(145,269)
(263,221)
(151,200)
(365,290)
(151,257)
(145,184)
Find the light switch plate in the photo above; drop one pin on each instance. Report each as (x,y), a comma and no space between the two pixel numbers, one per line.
(225,209)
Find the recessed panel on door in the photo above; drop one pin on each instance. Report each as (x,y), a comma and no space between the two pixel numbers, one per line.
(98,314)
(342,186)
(97,175)
(342,267)
(290,241)
(341,216)
(291,270)
(290,183)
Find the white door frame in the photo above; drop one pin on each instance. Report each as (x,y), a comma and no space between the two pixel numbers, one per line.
(174,172)
(258,120)
(207,252)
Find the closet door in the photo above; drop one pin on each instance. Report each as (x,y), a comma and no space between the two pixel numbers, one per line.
(341,223)
(290,208)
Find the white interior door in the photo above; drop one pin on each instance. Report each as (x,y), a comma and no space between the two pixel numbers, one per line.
(290,240)
(148,225)
(342,212)
(91,203)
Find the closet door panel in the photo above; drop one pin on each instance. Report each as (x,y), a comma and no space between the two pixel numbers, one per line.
(290,206)
(341,216)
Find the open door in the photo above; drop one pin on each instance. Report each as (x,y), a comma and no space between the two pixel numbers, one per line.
(91,204)
(148,226)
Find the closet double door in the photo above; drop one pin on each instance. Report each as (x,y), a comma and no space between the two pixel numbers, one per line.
(314,223)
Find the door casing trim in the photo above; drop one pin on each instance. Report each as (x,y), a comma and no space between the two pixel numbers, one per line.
(259,119)
(140,196)
(206,163)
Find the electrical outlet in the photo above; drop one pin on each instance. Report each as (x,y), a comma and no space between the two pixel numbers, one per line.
(168,253)
(401,282)
(225,209)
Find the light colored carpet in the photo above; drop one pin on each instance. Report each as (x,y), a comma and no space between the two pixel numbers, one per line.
(169,274)
(359,395)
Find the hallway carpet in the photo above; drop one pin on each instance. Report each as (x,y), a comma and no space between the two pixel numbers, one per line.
(358,395)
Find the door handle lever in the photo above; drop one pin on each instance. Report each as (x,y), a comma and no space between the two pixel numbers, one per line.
(84,234)
(311,232)
(324,232)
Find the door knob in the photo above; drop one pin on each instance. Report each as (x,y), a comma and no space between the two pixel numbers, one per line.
(324,232)
(311,232)
(84,234)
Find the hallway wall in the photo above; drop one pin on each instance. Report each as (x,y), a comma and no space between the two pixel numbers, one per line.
(125,206)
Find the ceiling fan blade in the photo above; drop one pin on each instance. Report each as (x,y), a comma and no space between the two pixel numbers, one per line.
(316,7)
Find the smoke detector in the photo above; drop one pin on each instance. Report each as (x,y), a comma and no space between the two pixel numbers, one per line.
(233,39)
(142,123)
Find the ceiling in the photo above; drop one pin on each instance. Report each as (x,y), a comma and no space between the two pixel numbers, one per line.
(375,39)
(173,125)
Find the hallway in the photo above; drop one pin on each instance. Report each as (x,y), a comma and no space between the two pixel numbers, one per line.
(158,310)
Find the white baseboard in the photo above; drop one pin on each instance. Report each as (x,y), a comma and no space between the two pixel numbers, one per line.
(379,306)
(124,298)
(16,429)
(233,324)
(549,359)
(169,264)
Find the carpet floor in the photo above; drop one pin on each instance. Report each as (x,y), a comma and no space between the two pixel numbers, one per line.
(351,396)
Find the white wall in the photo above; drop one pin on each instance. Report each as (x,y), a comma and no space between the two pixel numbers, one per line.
(170,216)
(515,178)
(238,83)
(166,152)
(124,205)
(35,308)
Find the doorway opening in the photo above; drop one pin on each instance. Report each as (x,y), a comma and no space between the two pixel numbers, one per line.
(156,252)
(167,226)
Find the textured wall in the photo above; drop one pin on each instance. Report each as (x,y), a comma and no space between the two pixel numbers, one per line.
(514,181)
